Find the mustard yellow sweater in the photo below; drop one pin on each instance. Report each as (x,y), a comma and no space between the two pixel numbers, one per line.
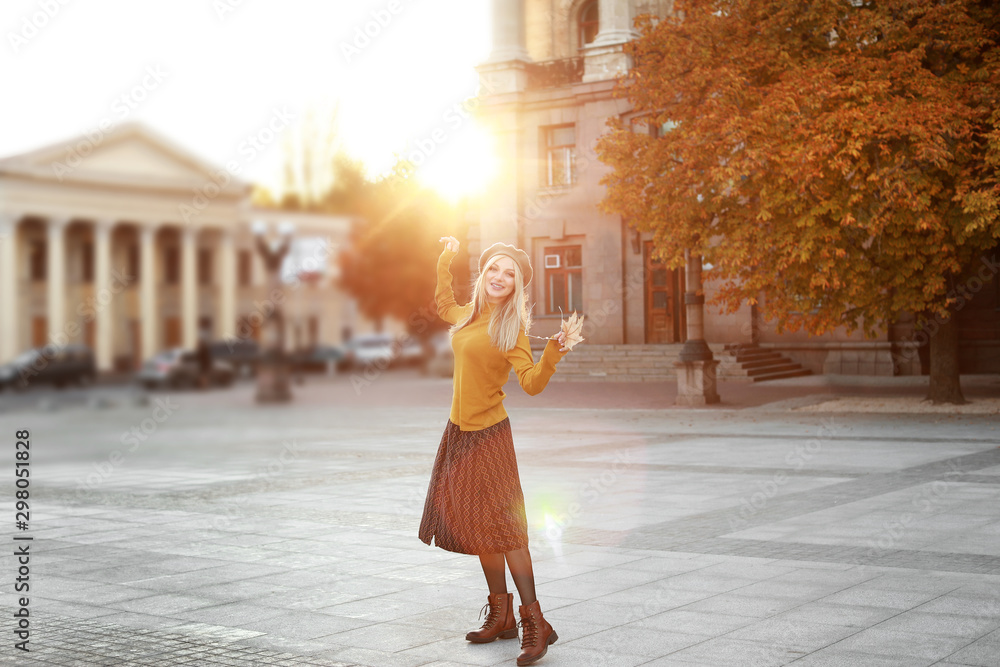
(481,369)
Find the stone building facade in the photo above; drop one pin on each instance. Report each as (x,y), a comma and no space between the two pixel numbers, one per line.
(130,244)
(547,94)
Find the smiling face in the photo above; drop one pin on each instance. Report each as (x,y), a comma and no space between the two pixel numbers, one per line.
(499,278)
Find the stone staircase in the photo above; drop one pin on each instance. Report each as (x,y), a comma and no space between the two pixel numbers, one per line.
(618,363)
(750,362)
(655,363)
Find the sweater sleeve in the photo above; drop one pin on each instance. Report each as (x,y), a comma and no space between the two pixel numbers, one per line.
(448,309)
(533,377)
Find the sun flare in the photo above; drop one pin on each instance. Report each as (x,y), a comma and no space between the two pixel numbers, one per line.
(462,165)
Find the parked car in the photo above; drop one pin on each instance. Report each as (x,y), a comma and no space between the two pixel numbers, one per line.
(382,349)
(59,366)
(411,352)
(243,354)
(179,368)
(316,359)
(368,350)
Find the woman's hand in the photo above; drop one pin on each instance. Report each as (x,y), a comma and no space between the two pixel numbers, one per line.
(451,243)
(561,339)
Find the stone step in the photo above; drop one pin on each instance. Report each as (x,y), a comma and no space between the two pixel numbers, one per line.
(620,370)
(611,365)
(612,378)
(655,363)
(761,361)
(748,360)
(800,372)
(752,355)
(767,371)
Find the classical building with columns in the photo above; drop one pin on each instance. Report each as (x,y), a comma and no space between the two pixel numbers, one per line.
(547,94)
(130,244)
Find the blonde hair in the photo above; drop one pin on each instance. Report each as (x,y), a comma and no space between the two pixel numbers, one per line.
(509,318)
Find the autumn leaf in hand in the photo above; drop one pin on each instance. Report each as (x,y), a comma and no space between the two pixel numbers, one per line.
(572,328)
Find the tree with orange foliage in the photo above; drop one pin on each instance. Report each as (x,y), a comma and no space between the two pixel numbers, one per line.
(835,161)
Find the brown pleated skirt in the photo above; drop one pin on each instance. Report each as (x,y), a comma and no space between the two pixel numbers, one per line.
(474,500)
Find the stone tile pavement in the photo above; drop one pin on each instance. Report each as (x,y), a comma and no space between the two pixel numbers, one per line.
(200,529)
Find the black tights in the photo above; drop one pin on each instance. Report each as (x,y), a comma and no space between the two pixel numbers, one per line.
(519,563)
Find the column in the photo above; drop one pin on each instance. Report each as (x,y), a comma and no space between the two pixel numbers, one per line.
(226,327)
(509,41)
(504,71)
(696,369)
(10,314)
(604,58)
(56,280)
(147,292)
(189,288)
(615,23)
(103,296)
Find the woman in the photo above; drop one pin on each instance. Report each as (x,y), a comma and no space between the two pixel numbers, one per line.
(474,500)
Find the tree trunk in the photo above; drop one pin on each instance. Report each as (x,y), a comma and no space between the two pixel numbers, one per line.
(944,383)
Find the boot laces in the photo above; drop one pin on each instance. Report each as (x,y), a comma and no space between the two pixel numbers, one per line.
(492,615)
(529,631)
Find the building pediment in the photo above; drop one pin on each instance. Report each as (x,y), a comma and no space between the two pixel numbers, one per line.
(131,155)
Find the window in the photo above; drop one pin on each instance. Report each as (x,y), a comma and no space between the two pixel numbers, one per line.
(560,156)
(658,131)
(171,265)
(564,280)
(87,248)
(204,266)
(132,263)
(589,23)
(38,261)
(243,268)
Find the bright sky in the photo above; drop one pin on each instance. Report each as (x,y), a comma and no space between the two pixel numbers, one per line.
(209,74)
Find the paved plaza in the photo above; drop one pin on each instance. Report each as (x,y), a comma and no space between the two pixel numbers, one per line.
(201,529)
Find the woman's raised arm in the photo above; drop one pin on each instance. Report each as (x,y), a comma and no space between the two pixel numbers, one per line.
(444,296)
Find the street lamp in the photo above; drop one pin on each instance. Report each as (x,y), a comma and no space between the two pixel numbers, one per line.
(272,370)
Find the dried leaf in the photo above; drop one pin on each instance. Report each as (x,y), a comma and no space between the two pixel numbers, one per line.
(572,328)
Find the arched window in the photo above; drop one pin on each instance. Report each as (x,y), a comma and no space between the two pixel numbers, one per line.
(589,23)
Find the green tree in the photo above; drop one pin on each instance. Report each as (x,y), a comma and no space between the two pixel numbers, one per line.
(836,161)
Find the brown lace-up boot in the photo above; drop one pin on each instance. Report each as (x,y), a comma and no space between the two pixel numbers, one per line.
(499,621)
(536,634)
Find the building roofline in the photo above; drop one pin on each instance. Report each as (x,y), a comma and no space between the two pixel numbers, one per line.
(26,165)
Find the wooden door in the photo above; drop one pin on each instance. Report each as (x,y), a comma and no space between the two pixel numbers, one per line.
(664,292)
(39,331)
(171,332)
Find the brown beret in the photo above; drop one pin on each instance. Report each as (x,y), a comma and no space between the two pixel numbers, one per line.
(515,254)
